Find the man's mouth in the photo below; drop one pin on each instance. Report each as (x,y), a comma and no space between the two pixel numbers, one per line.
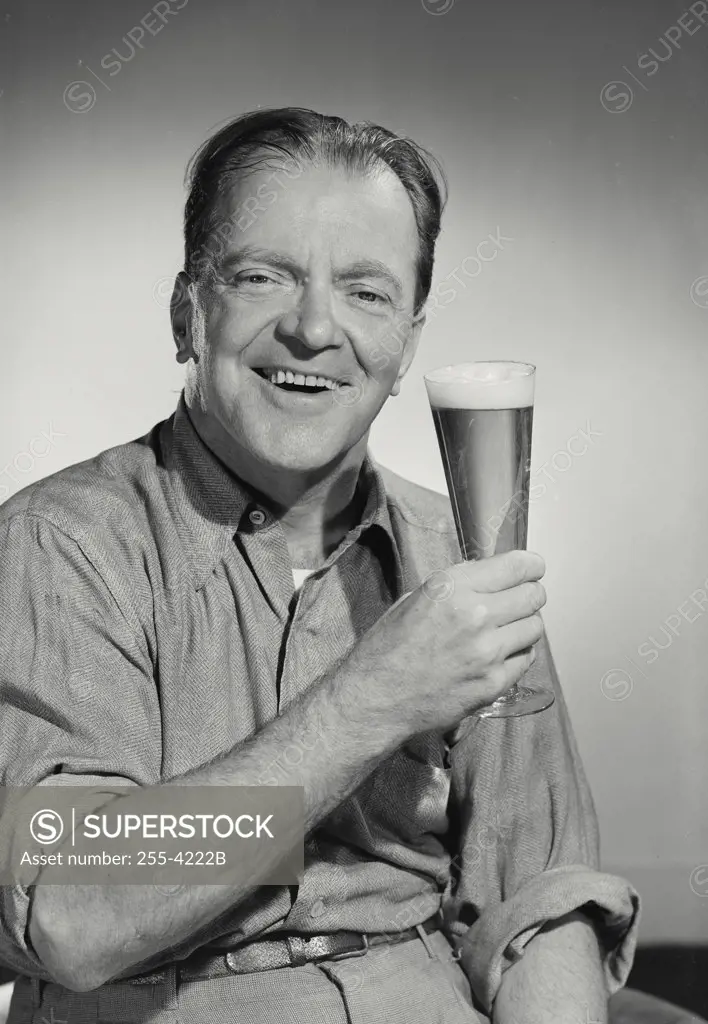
(286,380)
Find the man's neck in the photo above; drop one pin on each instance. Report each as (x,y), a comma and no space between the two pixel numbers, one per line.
(315,509)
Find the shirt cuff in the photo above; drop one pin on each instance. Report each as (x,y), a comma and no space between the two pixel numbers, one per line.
(499,936)
(16,950)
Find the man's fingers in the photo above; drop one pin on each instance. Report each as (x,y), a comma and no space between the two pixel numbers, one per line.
(512,670)
(500,572)
(518,636)
(521,601)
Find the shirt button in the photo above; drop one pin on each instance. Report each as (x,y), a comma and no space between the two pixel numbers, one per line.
(257,517)
(318,909)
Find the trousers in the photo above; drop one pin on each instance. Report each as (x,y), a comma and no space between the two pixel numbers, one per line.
(415,982)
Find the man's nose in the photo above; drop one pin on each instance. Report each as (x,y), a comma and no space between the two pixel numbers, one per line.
(312,321)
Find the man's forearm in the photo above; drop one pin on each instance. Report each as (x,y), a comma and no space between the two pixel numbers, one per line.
(559,979)
(87,934)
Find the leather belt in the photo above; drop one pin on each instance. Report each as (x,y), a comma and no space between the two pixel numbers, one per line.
(290,951)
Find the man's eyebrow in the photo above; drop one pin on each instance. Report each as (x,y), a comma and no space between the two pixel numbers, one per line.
(371,268)
(254,252)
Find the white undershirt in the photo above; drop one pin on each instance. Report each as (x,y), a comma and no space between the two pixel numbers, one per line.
(299,577)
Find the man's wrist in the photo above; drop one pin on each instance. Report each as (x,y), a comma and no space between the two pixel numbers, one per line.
(558,980)
(376,725)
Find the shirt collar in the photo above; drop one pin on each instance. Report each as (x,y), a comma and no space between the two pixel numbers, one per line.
(215,504)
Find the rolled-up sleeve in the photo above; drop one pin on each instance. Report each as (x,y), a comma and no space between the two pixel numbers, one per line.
(528,849)
(78,703)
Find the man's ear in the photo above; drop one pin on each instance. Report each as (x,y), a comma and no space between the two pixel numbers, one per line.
(181,316)
(411,346)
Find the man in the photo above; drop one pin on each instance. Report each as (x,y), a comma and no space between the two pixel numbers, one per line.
(245,580)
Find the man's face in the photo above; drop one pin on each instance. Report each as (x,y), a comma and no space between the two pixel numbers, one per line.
(321,283)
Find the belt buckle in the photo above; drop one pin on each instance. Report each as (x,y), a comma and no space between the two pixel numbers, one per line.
(352,953)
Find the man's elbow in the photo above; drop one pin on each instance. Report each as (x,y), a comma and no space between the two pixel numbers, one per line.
(56,946)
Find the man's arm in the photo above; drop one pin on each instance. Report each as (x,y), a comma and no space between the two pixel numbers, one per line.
(559,979)
(86,935)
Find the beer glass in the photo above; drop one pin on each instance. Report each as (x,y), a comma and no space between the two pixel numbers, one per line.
(483,414)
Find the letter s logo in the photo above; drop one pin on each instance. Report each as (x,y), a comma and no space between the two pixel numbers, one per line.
(77,99)
(46,826)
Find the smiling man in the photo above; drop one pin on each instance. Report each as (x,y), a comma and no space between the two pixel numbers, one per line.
(285,341)
(246,581)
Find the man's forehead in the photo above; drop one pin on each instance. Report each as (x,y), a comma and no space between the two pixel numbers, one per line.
(360,216)
(334,191)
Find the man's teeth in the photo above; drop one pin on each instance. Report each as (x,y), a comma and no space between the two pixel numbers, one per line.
(286,377)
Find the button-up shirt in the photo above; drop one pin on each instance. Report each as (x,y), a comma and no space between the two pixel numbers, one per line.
(149,624)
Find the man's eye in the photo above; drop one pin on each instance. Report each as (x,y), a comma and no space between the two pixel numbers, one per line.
(369,297)
(253,278)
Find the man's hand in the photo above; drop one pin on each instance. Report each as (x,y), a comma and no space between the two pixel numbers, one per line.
(427,663)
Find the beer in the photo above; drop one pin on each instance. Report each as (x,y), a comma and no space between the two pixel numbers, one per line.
(483,421)
(483,416)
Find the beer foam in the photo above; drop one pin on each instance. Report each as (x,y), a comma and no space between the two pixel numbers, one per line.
(493,385)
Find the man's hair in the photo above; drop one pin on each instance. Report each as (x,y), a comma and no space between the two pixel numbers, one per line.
(298,135)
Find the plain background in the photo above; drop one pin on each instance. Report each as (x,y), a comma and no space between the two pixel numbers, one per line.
(601,195)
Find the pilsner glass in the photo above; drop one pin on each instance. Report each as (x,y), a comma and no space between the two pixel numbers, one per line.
(483,414)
